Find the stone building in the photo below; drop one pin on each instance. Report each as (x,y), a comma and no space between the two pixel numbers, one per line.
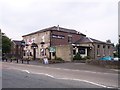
(16,49)
(94,48)
(61,42)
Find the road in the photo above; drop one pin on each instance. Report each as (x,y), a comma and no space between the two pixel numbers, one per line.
(33,76)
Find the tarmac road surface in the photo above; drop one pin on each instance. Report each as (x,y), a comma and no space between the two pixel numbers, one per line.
(33,76)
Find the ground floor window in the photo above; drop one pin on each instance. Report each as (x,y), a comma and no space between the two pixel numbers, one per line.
(74,52)
(43,52)
(24,52)
(98,50)
(81,50)
(53,53)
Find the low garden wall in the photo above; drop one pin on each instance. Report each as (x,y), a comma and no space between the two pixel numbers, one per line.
(106,64)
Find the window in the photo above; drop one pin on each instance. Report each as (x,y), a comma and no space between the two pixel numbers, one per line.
(69,39)
(30,53)
(98,50)
(53,53)
(108,50)
(74,52)
(81,50)
(42,52)
(103,50)
(24,52)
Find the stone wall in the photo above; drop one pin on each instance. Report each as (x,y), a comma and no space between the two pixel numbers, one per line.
(64,52)
(107,64)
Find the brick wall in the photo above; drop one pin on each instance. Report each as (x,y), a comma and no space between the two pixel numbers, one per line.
(64,41)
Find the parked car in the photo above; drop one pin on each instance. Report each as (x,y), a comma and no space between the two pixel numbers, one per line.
(116,59)
(107,58)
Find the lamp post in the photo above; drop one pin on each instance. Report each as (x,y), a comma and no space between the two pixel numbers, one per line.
(119,47)
(34,46)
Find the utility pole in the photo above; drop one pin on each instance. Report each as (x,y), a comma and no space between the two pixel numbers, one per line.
(119,47)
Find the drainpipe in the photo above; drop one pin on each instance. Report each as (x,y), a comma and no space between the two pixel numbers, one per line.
(50,45)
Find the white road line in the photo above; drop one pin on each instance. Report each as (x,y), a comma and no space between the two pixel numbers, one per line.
(115,70)
(77,70)
(86,81)
(25,71)
(69,69)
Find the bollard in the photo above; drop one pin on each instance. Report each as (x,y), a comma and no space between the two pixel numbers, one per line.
(17,60)
(22,60)
(3,60)
(6,59)
(10,60)
(27,61)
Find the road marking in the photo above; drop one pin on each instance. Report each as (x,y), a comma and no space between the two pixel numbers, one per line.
(77,70)
(25,71)
(115,70)
(64,78)
(69,69)
(86,81)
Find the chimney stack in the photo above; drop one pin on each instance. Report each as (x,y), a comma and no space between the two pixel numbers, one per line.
(58,28)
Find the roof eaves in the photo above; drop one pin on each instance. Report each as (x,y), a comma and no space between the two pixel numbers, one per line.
(42,30)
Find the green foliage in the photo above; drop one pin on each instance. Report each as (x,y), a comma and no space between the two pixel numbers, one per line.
(77,57)
(86,57)
(6,44)
(13,58)
(115,54)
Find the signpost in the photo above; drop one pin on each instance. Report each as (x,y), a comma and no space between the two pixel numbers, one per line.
(52,49)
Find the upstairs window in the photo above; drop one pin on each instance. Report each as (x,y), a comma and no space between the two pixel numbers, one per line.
(69,39)
(108,50)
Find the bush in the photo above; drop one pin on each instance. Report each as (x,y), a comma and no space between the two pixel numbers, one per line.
(57,60)
(13,58)
(77,57)
(86,57)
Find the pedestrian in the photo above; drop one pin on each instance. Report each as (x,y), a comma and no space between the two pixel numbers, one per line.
(45,59)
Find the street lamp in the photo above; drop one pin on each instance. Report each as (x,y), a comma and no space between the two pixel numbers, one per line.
(34,46)
(119,47)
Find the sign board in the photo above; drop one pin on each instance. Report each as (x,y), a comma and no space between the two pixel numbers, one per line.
(52,49)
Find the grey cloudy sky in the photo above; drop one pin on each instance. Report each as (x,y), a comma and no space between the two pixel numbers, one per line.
(96,18)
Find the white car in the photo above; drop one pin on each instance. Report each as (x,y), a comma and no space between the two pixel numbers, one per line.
(116,59)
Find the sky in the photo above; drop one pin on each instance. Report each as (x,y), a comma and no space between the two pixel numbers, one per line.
(97,19)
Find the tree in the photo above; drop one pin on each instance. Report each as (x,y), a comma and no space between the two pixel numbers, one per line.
(6,44)
(116,49)
(77,57)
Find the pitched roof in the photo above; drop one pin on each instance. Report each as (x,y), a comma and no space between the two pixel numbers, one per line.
(17,42)
(56,28)
(89,40)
